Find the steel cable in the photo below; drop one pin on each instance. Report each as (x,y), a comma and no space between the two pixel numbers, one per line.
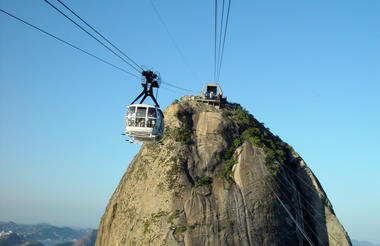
(172,39)
(92,28)
(69,44)
(290,203)
(224,39)
(220,39)
(290,215)
(308,211)
(215,30)
(177,87)
(105,46)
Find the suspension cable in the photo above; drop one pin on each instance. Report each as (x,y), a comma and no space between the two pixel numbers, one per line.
(172,39)
(288,212)
(220,40)
(67,43)
(92,28)
(224,39)
(104,45)
(92,55)
(303,181)
(171,90)
(215,30)
(177,87)
(307,210)
(105,40)
(290,203)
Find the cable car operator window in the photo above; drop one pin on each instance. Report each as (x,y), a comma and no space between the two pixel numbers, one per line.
(140,116)
(141,112)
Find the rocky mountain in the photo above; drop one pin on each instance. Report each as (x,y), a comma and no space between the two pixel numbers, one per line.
(218,177)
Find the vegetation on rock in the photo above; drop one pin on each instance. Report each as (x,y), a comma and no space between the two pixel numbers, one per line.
(206,180)
(183,134)
(277,152)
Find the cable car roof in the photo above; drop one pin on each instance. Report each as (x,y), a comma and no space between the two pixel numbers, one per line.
(143,105)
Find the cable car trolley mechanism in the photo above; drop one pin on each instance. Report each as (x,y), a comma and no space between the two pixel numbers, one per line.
(144,122)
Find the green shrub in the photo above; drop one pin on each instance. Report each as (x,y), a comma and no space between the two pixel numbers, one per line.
(255,141)
(206,180)
(276,151)
(227,113)
(175,101)
(227,172)
(184,133)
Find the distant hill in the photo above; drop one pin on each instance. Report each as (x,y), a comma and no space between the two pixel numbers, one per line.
(46,234)
(65,244)
(88,240)
(13,239)
(362,243)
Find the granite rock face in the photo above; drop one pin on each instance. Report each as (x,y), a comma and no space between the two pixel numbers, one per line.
(218,177)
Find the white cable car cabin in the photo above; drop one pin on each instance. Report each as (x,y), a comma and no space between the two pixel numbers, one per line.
(144,123)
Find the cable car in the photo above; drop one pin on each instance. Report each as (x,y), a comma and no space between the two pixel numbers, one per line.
(144,122)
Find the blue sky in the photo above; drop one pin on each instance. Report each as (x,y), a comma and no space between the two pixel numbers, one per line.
(309,70)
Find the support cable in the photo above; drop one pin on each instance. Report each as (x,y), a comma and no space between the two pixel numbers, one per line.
(109,41)
(171,90)
(92,55)
(224,39)
(171,38)
(92,28)
(220,40)
(290,203)
(108,48)
(307,210)
(177,87)
(303,181)
(69,44)
(290,214)
(305,199)
(215,30)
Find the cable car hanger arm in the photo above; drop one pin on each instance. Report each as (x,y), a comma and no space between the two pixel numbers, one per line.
(151,81)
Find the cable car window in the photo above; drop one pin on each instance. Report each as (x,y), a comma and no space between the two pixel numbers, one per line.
(141,112)
(131,111)
(151,123)
(131,122)
(152,112)
(140,122)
